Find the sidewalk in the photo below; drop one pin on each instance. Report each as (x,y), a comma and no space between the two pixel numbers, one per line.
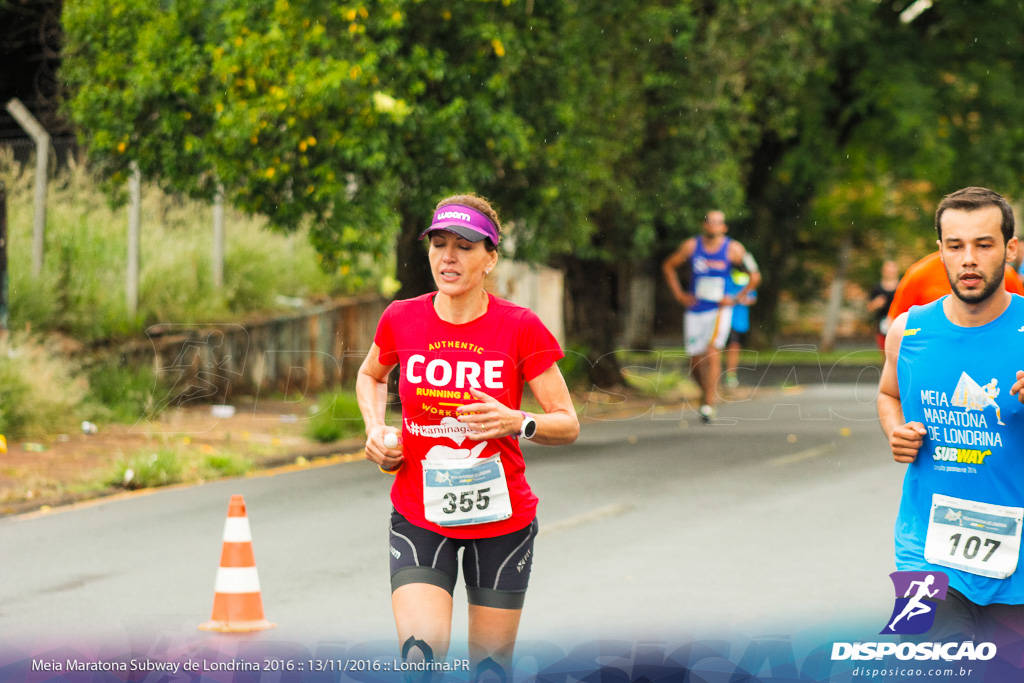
(72,467)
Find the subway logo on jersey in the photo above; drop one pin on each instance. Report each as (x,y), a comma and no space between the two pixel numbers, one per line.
(969,456)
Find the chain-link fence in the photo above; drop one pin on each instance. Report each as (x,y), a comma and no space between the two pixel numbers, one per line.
(63,150)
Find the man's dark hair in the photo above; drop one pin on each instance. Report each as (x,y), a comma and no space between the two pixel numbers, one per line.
(974,198)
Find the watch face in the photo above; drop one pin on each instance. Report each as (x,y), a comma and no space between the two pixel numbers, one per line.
(530,428)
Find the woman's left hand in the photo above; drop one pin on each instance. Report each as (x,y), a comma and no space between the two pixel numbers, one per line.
(490,419)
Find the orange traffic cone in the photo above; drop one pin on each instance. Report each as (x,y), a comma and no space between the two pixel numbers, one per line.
(237,604)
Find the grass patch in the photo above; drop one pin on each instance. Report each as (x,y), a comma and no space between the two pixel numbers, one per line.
(651,382)
(854,358)
(338,419)
(148,469)
(226,465)
(173,464)
(676,357)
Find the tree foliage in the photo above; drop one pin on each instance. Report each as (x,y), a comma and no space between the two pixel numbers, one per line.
(603,131)
(279,103)
(907,109)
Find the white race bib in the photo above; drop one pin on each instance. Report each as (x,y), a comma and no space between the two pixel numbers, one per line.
(710,288)
(974,537)
(465,491)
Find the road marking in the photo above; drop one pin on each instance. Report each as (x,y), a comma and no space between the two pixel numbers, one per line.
(799,456)
(310,464)
(592,516)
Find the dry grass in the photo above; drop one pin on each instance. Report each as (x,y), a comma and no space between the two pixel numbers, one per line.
(82,288)
(41,391)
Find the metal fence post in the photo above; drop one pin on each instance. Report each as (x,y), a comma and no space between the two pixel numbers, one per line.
(4,314)
(134,218)
(218,238)
(42,138)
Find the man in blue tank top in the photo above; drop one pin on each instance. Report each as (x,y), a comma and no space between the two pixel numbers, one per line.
(949,401)
(708,317)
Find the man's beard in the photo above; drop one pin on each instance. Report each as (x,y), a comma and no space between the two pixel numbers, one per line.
(992,284)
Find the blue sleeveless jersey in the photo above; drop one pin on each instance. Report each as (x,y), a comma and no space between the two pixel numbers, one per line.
(711,272)
(966,454)
(738,279)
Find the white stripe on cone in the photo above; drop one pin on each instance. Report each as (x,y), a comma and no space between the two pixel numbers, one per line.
(237,580)
(236,530)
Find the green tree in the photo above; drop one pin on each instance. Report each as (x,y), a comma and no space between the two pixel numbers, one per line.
(909,108)
(280,103)
(453,68)
(661,127)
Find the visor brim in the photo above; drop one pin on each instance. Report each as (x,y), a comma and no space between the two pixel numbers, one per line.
(462,231)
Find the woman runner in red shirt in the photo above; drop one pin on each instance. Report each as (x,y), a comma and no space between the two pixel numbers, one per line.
(464,356)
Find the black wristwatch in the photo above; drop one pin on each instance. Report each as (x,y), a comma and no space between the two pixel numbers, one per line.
(529,428)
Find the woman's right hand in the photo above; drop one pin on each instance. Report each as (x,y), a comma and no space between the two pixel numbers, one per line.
(388,459)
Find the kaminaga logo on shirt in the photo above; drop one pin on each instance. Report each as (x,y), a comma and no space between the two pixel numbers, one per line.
(917,594)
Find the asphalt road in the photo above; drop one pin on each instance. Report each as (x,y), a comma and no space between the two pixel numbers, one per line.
(777,518)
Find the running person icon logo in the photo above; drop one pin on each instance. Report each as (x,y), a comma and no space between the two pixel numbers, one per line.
(970,395)
(916,594)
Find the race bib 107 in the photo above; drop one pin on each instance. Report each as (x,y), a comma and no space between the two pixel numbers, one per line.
(974,537)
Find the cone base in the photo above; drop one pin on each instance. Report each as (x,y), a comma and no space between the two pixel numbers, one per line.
(237,626)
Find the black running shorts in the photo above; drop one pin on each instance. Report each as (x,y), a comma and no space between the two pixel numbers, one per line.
(497,570)
(736,338)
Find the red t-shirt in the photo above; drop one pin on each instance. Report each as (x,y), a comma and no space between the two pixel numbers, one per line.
(926,281)
(497,353)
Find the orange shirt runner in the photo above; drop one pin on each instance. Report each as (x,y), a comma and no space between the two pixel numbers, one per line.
(926,281)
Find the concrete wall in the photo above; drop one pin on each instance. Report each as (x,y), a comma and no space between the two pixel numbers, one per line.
(309,350)
(312,349)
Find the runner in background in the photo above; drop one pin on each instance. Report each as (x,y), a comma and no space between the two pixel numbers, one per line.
(464,357)
(880,299)
(708,317)
(709,309)
(926,281)
(963,495)
(741,277)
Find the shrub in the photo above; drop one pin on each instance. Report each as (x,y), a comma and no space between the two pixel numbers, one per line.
(40,390)
(147,469)
(340,418)
(125,393)
(225,465)
(575,367)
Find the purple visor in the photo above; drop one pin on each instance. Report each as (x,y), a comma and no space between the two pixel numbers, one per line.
(464,221)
